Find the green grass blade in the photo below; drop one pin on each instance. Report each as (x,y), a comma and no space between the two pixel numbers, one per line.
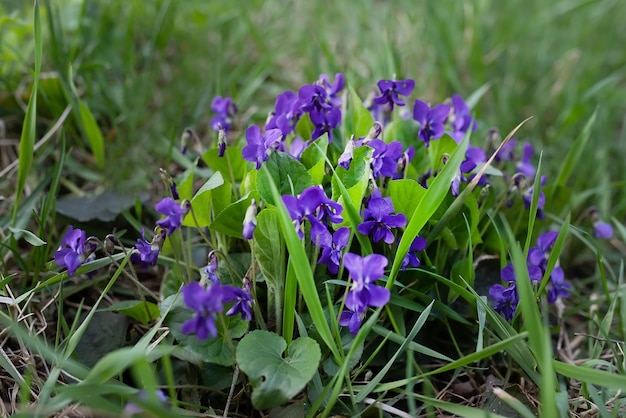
(427,206)
(29,128)
(538,330)
(456,409)
(534,204)
(591,376)
(363,393)
(575,152)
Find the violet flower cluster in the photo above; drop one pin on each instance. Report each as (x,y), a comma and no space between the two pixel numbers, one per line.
(506,297)
(320,101)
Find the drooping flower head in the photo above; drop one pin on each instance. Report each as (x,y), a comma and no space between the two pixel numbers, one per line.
(260,145)
(224,109)
(242,301)
(74,250)
(431,120)
(173,214)
(325,122)
(148,252)
(390,92)
(460,119)
(410,259)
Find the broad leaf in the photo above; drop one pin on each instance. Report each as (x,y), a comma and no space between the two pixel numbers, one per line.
(276,378)
(288,174)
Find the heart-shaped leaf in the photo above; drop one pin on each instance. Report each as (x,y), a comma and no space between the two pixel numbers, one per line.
(276,379)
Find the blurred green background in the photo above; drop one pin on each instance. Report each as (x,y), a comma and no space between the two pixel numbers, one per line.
(148,69)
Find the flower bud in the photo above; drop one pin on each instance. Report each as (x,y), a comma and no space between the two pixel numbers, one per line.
(249,222)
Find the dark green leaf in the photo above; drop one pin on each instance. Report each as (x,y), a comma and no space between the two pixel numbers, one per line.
(276,378)
(289,175)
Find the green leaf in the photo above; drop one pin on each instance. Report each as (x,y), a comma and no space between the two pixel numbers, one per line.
(31,238)
(92,132)
(144,312)
(105,333)
(287,173)
(304,127)
(184,183)
(405,195)
(231,165)
(201,202)
(269,248)
(355,179)
(361,118)
(216,350)
(230,220)
(276,379)
(313,158)
(440,148)
(105,206)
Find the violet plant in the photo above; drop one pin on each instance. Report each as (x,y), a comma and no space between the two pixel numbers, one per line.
(330,221)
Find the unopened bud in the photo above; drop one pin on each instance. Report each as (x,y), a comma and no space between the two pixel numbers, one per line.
(249,221)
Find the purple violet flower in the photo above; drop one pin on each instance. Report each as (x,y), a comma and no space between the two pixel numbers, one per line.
(286,113)
(460,119)
(538,256)
(243,301)
(602,230)
(506,300)
(559,288)
(211,268)
(224,109)
(173,214)
(364,271)
(379,221)
(74,250)
(324,122)
(314,96)
(525,165)
(385,157)
(431,120)
(148,252)
(410,259)
(207,303)
(260,145)
(333,89)
(316,207)
(390,91)
(332,248)
(352,319)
